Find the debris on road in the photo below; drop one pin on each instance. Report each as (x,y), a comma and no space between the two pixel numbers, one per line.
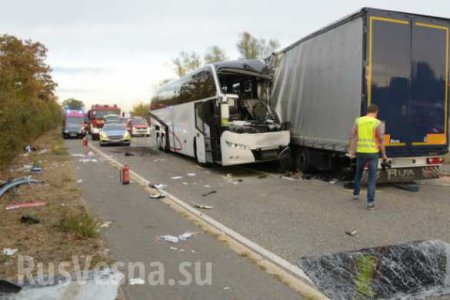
(177,177)
(351,233)
(207,186)
(26,204)
(190,174)
(262,176)
(333,181)
(9,251)
(158,186)
(209,193)
(29,220)
(410,187)
(137,281)
(176,239)
(30,148)
(185,183)
(156,195)
(79,180)
(106,224)
(307,176)
(17,182)
(201,206)
(287,178)
(128,153)
(7,287)
(78,155)
(85,160)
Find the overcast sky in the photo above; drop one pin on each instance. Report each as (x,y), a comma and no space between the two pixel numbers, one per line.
(110,51)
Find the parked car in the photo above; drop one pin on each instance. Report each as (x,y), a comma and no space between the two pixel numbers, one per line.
(114,133)
(138,126)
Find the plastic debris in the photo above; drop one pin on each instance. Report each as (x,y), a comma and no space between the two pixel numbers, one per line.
(190,174)
(7,287)
(9,251)
(26,204)
(30,148)
(206,186)
(43,151)
(156,195)
(79,180)
(177,177)
(17,182)
(351,233)
(209,193)
(35,169)
(201,206)
(78,155)
(175,239)
(85,160)
(137,281)
(106,224)
(158,186)
(333,181)
(29,220)
(226,288)
(173,248)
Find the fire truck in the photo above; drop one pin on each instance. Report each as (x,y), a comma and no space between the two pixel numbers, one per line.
(96,117)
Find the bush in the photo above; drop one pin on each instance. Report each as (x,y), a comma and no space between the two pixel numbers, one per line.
(28,107)
(82,225)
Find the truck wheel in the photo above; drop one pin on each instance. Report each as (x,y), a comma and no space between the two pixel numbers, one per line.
(303,161)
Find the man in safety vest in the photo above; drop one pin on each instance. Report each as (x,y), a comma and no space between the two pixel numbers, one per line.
(368,133)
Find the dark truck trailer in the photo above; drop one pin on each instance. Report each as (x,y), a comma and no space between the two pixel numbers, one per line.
(399,61)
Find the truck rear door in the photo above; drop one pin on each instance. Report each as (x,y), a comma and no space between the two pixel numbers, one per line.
(407,77)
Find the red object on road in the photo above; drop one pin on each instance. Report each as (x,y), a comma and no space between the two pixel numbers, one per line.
(85,142)
(26,204)
(125,175)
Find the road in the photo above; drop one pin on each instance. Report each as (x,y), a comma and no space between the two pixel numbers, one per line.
(294,218)
(136,222)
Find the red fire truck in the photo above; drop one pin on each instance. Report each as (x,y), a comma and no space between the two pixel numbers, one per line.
(96,118)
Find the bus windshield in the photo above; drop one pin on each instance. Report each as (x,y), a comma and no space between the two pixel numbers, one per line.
(99,114)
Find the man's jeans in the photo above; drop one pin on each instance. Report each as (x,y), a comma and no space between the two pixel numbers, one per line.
(372,160)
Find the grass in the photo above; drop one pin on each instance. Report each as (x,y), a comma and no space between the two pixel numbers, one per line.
(82,225)
(67,228)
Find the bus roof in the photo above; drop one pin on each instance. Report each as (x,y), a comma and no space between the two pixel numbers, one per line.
(249,66)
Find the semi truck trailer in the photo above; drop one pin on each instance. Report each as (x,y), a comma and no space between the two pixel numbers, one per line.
(398,61)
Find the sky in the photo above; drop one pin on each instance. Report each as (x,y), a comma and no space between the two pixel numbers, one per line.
(116,52)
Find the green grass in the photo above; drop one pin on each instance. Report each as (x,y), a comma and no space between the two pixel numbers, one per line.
(82,225)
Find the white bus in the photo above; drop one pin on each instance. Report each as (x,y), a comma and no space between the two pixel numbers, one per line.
(219,114)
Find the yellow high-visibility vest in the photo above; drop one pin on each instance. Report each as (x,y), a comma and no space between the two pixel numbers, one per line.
(367,127)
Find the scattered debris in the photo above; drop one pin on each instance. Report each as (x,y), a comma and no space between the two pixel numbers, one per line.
(26,204)
(29,220)
(85,160)
(410,187)
(30,148)
(207,186)
(185,183)
(35,169)
(229,175)
(17,182)
(190,174)
(351,233)
(177,177)
(78,155)
(106,224)
(9,251)
(173,248)
(175,239)
(201,206)
(193,251)
(128,153)
(209,193)
(137,281)
(43,151)
(262,176)
(287,178)
(156,195)
(333,181)
(226,288)
(79,180)
(7,287)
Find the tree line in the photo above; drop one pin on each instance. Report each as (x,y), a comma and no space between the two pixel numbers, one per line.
(28,105)
(248,46)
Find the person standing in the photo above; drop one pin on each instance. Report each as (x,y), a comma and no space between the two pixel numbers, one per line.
(367,136)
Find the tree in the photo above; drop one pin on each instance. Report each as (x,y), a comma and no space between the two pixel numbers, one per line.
(73,103)
(140,109)
(214,54)
(252,48)
(186,62)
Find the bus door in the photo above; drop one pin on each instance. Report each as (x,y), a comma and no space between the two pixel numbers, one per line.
(207,135)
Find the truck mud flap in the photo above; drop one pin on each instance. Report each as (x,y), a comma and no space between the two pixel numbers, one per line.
(404,174)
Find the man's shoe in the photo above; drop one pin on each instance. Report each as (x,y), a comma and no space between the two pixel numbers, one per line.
(371,206)
(355,197)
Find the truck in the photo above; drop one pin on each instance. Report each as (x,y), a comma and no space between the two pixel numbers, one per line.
(73,124)
(398,61)
(96,117)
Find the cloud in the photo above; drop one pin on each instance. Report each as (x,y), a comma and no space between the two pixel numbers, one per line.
(78,70)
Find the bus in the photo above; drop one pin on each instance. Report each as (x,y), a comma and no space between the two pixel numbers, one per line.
(219,114)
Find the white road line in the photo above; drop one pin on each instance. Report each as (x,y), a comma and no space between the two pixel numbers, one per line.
(270,256)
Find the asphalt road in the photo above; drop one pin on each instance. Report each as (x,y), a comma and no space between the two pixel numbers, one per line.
(295,218)
(137,220)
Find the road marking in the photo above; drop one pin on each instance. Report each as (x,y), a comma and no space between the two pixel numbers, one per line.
(289,273)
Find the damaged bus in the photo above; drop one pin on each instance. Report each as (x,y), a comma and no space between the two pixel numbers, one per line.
(219,114)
